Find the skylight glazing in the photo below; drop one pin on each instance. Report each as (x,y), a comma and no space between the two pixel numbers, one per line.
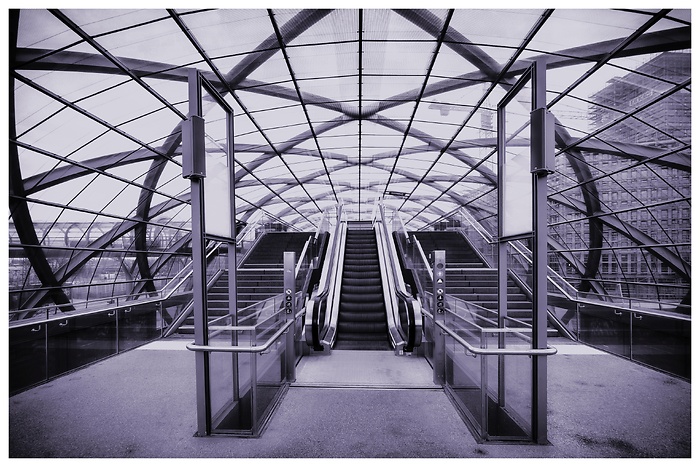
(342,105)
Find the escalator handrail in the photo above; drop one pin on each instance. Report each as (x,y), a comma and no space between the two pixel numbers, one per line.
(413,307)
(300,260)
(424,258)
(328,336)
(389,291)
(314,328)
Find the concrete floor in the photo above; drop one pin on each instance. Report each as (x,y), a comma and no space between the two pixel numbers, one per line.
(141,404)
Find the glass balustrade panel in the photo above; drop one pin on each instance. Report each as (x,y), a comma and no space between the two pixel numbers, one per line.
(138,325)
(80,340)
(605,328)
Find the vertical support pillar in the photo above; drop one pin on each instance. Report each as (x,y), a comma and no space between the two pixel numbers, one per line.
(290,309)
(542,153)
(193,168)
(541,164)
(439,315)
(232,255)
(502,252)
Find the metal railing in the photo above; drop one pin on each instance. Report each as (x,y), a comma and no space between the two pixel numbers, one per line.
(487,372)
(55,342)
(404,311)
(49,342)
(245,348)
(636,329)
(520,260)
(321,309)
(250,367)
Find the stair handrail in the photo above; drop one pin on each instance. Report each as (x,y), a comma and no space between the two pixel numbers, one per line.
(256,219)
(253,221)
(112,302)
(411,337)
(560,283)
(523,251)
(518,247)
(183,315)
(187,309)
(187,271)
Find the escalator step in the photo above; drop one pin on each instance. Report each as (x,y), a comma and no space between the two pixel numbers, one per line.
(362,307)
(361,298)
(362,317)
(361,281)
(368,266)
(363,331)
(361,274)
(361,262)
(370,288)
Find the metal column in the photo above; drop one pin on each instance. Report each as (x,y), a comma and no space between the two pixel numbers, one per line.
(542,153)
(541,164)
(193,168)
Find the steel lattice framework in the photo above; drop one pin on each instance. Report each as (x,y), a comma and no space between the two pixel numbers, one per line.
(342,106)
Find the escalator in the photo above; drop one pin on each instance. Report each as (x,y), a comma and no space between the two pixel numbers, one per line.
(361,302)
(362,317)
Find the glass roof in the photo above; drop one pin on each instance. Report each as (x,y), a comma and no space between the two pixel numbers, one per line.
(347,105)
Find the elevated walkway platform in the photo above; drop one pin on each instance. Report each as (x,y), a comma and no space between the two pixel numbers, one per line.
(141,404)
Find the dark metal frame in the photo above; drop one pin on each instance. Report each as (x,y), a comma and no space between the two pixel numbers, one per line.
(196,84)
(640,41)
(541,150)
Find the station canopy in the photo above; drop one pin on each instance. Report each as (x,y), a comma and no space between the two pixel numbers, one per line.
(331,106)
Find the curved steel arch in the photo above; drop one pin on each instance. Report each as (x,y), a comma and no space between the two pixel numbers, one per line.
(352,188)
(589,50)
(464,47)
(19,210)
(675,262)
(79,259)
(650,42)
(412,177)
(58,175)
